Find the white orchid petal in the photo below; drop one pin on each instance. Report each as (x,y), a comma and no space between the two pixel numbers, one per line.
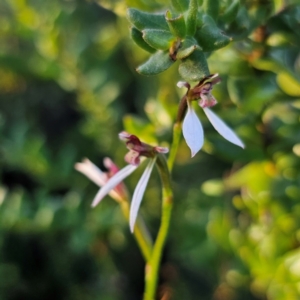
(139,193)
(222,128)
(112,182)
(91,171)
(124,136)
(181,84)
(192,130)
(161,149)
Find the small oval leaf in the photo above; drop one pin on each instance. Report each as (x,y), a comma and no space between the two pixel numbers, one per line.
(180,5)
(157,63)
(176,25)
(142,20)
(187,47)
(240,27)
(194,67)
(210,37)
(191,18)
(231,12)
(158,39)
(211,7)
(137,37)
(183,53)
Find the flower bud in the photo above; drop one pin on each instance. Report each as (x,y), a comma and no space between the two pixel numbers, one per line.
(138,148)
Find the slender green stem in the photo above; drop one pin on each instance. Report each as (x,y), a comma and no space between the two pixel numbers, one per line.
(165,168)
(152,254)
(152,267)
(177,131)
(141,232)
(143,238)
(175,144)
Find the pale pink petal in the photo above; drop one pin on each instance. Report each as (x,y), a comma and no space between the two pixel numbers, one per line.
(124,136)
(110,165)
(139,193)
(112,182)
(222,128)
(161,149)
(215,79)
(132,157)
(192,130)
(91,171)
(182,84)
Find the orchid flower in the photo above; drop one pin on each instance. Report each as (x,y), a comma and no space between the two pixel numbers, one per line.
(91,171)
(136,155)
(191,128)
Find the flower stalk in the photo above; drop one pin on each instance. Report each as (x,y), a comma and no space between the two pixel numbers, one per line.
(152,266)
(141,232)
(188,123)
(175,144)
(192,128)
(120,194)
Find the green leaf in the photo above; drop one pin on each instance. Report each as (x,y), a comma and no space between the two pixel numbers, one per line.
(250,96)
(211,7)
(191,18)
(159,115)
(213,187)
(231,12)
(183,53)
(289,84)
(157,63)
(194,67)
(261,14)
(180,5)
(210,37)
(142,20)
(176,25)
(140,127)
(240,27)
(187,47)
(199,19)
(137,37)
(255,175)
(158,39)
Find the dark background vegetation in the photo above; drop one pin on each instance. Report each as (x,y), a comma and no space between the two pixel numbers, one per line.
(68,86)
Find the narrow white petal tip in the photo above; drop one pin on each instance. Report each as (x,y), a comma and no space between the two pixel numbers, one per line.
(139,193)
(98,198)
(241,144)
(91,171)
(226,132)
(132,228)
(107,162)
(82,165)
(93,205)
(192,131)
(161,149)
(181,84)
(112,183)
(124,135)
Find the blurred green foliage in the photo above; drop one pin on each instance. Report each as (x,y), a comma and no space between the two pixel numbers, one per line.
(68,86)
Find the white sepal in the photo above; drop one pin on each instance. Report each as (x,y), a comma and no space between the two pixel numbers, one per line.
(222,128)
(192,130)
(139,193)
(91,171)
(112,182)
(182,84)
